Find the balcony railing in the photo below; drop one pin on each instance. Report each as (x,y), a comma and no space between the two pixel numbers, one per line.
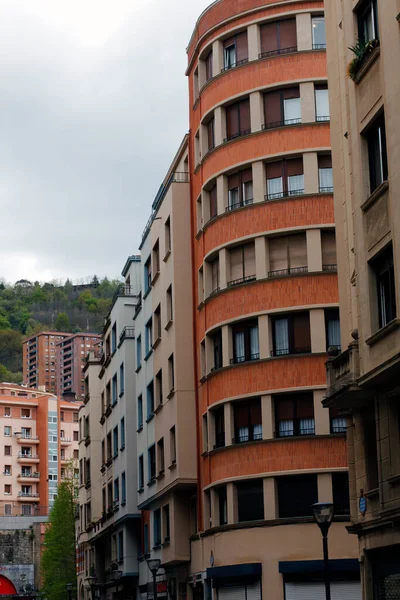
(246,279)
(20,455)
(238,63)
(343,371)
(238,205)
(275,124)
(127,333)
(289,351)
(319,46)
(285,194)
(326,190)
(286,272)
(28,495)
(332,267)
(241,359)
(288,50)
(29,475)
(323,118)
(237,135)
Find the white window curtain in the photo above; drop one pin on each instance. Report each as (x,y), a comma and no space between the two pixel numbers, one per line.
(296,184)
(286,428)
(243,434)
(333,332)
(339,424)
(292,110)
(230,56)
(247,192)
(325,178)
(257,432)
(307,427)
(383,292)
(239,346)
(254,343)
(275,187)
(282,336)
(322,105)
(233,197)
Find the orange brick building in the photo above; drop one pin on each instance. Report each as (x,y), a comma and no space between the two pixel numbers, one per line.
(265,303)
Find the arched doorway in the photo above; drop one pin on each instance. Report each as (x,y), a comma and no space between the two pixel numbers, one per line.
(7,588)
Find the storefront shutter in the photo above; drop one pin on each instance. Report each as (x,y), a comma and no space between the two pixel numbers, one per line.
(232,592)
(346,590)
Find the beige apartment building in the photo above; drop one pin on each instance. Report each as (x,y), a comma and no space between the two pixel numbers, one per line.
(364,380)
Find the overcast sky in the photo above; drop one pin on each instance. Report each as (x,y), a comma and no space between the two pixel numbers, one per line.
(93,106)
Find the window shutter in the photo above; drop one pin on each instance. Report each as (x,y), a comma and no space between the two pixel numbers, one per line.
(236,259)
(287,34)
(233,181)
(247,175)
(210,134)
(304,591)
(272,107)
(274,169)
(213,202)
(305,406)
(278,253)
(209,62)
(301,331)
(254,591)
(232,120)
(255,413)
(241,416)
(325,161)
(244,116)
(269,37)
(229,42)
(249,259)
(294,166)
(284,409)
(328,248)
(242,52)
(297,250)
(232,592)
(293,92)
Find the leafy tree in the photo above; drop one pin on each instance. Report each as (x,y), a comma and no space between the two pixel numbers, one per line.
(62,322)
(4,322)
(58,559)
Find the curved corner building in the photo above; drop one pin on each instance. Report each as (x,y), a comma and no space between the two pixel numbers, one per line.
(266,305)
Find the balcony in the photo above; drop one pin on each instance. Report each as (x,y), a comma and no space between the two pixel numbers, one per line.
(27,439)
(64,441)
(28,478)
(342,373)
(128,333)
(28,496)
(27,458)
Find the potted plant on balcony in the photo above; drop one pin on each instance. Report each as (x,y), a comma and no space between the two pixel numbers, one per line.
(361,51)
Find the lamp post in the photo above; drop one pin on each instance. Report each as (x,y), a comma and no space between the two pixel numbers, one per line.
(69,587)
(323,516)
(154,564)
(116,576)
(91,581)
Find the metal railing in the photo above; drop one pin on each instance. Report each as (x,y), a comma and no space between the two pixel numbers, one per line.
(284,194)
(246,279)
(20,455)
(289,351)
(240,204)
(286,272)
(237,135)
(127,333)
(247,358)
(321,118)
(237,63)
(275,124)
(220,440)
(28,495)
(277,52)
(319,46)
(332,267)
(29,475)
(326,190)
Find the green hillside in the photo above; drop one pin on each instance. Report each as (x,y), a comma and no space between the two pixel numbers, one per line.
(28,307)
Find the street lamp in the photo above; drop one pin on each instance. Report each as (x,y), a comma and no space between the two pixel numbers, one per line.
(69,587)
(91,582)
(154,564)
(323,515)
(116,576)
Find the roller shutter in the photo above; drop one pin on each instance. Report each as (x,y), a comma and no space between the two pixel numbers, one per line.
(249,591)
(340,590)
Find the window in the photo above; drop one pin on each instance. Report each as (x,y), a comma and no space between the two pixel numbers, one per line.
(122,433)
(159,390)
(103,453)
(217,343)
(172,444)
(8,471)
(141,473)
(114,338)
(26,413)
(215,275)
(122,379)
(140,411)
(7,431)
(75,454)
(294,415)
(325,174)
(8,509)
(245,342)
(368,21)
(213,202)
(61,415)
(157,324)
(322,110)
(7,489)
(7,451)
(219,421)
(242,264)
(147,275)
(170,310)
(383,268)
(332,325)
(114,390)
(238,119)
(287,255)
(377,155)
(149,336)
(250,500)
(247,421)
(291,334)
(171,373)
(209,65)
(115,441)
(138,351)
(285,178)
(282,107)
(152,463)
(235,50)
(123,489)
(160,456)
(109,446)
(87,472)
(166,523)
(302,488)
(156,257)
(210,134)
(341,493)
(7,411)
(150,399)
(116,490)
(167,232)
(240,189)
(318,33)
(157,527)
(278,37)
(120,546)
(76,436)
(328,242)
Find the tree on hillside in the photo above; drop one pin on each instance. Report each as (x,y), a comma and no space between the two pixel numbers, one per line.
(62,322)
(58,559)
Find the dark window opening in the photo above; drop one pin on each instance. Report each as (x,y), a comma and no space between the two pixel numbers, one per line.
(219,419)
(247,421)
(383,268)
(222,505)
(250,497)
(285,178)
(291,334)
(377,154)
(296,495)
(245,342)
(341,493)
(294,415)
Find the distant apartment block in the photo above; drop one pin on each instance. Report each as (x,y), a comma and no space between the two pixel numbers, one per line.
(70,358)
